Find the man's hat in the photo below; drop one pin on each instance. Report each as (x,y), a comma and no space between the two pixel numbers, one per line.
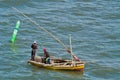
(44,50)
(34,42)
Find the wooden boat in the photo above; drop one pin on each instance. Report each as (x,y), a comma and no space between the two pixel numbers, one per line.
(58,64)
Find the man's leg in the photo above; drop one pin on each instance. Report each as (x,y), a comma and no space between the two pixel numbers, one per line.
(33,55)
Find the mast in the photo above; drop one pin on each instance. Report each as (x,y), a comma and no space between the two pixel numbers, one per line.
(70,47)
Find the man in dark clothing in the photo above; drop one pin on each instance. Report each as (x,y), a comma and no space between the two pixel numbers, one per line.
(34,47)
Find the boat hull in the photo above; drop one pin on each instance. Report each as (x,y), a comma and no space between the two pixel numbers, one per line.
(59,66)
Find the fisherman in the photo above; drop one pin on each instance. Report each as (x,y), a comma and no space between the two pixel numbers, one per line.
(46,56)
(34,47)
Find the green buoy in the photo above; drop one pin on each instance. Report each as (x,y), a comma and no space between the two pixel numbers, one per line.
(15,32)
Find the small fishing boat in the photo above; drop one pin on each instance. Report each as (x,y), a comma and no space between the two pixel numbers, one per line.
(58,64)
(55,63)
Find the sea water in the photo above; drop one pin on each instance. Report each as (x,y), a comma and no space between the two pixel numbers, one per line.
(93,24)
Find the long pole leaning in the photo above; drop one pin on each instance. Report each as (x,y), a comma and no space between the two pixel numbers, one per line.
(68,50)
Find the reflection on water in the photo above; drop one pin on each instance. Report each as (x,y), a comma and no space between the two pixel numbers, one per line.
(13,48)
(72,73)
(56,73)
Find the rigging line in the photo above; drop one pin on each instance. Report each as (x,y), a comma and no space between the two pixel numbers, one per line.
(42,28)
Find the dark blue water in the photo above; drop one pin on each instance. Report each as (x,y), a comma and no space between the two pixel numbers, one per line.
(93,24)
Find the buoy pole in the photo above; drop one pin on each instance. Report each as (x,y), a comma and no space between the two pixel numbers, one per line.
(15,32)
